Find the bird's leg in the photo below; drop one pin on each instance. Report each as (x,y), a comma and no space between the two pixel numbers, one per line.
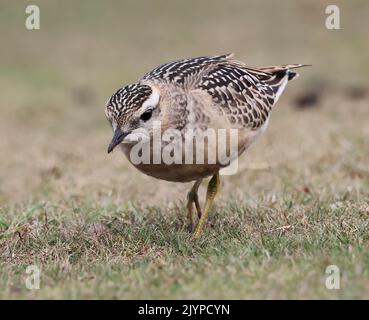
(213,187)
(191,198)
(197,205)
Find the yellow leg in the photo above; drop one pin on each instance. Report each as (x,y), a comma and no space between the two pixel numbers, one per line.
(193,198)
(213,187)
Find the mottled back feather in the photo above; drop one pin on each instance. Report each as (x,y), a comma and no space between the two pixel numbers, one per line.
(246,94)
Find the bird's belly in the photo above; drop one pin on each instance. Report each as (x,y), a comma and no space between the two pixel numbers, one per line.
(204,160)
(178,172)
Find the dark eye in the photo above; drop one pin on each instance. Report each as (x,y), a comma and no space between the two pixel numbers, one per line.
(146,115)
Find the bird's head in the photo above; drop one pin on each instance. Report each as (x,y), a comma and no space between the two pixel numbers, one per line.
(132,108)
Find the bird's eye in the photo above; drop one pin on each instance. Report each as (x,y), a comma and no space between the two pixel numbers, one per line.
(146,115)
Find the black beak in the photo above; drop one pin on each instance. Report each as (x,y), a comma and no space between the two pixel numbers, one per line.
(118,137)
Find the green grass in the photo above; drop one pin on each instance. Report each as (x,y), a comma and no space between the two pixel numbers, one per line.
(273,249)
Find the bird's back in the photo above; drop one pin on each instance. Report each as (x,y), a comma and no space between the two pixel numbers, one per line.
(245,95)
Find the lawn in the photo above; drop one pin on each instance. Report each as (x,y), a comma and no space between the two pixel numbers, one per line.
(97,228)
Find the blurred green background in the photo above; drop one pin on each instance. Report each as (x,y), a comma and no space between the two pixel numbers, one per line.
(56,80)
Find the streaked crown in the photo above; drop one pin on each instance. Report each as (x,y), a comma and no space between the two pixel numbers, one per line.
(126,100)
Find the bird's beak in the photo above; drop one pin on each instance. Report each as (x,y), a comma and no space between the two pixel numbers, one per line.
(118,137)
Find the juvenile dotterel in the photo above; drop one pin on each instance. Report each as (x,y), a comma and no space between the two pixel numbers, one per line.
(213,92)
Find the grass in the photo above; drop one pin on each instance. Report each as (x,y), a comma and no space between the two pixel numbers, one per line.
(274,248)
(97,228)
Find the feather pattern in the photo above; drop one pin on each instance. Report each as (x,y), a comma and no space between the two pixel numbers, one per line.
(181,71)
(246,94)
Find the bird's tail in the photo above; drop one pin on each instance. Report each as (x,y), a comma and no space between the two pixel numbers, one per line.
(283,70)
(280,75)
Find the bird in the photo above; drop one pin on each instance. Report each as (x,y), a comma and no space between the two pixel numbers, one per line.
(208,92)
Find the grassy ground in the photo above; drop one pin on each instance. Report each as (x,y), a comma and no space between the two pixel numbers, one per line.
(97,228)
